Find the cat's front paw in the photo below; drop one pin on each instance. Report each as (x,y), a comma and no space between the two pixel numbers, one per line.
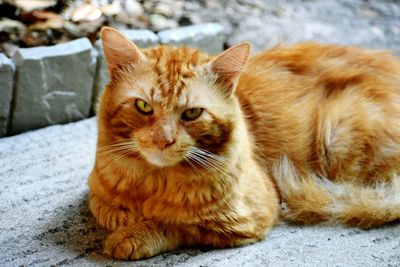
(127,243)
(110,217)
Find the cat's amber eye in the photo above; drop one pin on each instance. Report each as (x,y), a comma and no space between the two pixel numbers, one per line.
(191,114)
(143,107)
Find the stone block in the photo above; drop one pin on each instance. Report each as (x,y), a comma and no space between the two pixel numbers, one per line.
(208,37)
(6,90)
(142,38)
(54,84)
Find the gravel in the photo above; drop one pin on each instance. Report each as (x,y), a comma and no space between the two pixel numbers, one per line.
(265,23)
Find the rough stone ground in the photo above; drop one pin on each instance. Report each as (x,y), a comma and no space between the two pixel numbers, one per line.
(373,24)
(45,221)
(44,218)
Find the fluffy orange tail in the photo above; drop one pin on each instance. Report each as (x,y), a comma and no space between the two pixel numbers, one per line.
(312,199)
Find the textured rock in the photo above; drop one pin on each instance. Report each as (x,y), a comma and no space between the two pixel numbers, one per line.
(6,88)
(53,84)
(142,38)
(208,37)
(45,221)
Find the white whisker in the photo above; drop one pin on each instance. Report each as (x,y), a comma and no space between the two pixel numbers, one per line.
(211,162)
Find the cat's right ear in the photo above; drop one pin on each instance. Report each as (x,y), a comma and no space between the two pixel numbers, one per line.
(118,49)
(228,66)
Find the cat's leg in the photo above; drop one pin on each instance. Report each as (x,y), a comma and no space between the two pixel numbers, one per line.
(142,240)
(225,237)
(224,240)
(147,239)
(109,216)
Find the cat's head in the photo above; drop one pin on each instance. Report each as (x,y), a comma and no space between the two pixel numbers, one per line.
(169,104)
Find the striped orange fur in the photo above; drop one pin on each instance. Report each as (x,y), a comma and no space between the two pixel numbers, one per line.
(200,150)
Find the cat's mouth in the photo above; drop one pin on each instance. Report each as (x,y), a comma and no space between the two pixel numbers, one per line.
(160,158)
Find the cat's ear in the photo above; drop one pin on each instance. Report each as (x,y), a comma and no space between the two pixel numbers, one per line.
(118,49)
(228,66)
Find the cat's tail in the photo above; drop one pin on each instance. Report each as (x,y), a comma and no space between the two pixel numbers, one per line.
(311,199)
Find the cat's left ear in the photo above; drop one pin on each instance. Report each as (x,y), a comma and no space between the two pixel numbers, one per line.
(118,49)
(228,66)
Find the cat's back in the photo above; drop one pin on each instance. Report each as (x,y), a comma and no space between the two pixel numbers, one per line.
(310,100)
(329,67)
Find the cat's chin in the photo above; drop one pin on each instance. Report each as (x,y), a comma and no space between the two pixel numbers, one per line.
(160,159)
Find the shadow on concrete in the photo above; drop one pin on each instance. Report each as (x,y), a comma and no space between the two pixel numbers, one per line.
(74,228)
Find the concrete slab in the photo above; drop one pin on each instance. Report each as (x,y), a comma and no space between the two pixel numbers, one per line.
(53,84)
(7,69)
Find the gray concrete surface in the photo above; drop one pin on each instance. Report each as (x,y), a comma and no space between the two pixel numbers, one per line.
(44,217)
(53,84)
(6,90)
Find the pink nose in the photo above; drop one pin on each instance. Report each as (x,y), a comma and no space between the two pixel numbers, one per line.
(164,143)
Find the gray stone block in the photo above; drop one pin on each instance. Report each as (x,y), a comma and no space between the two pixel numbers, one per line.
(142,38)
(6,90)
(53,84)
(208,37)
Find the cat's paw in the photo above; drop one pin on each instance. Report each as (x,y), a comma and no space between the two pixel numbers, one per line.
(128,244)
(110,217)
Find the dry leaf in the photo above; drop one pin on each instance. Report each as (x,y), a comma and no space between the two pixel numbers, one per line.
(52,23)
(111,9)
(36,15)
(35,38)
(42,14)
(30,5)
(133,8)
(86,13)
(11,26)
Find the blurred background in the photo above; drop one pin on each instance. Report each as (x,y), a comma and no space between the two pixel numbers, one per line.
(374,24)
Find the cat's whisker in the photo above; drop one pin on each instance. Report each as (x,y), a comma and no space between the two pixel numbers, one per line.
(210,154)
(215,164)
(115,158)
(121,142)
(193,167)
(212,157)
(214,161)
(200,161)
(117,151)
(119,146)
(207,161)
(217,170)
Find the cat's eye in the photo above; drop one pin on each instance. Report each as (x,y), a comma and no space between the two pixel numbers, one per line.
(191,114)
(143,107)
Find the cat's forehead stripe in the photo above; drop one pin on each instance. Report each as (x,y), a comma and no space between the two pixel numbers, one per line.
(173,66)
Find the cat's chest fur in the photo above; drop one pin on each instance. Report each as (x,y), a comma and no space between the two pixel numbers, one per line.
(163,196)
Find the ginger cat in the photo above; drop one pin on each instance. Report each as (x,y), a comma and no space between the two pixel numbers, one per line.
(201,150)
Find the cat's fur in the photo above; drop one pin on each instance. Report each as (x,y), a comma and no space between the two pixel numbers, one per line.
(314,126)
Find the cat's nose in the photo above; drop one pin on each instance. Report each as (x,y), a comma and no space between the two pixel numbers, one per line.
(163,144)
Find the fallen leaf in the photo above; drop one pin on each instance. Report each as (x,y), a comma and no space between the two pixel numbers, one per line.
(35,38)
(111,9)
(133,8)
(52,23)
(36,15)
(30,5)
(86,13)
(42,14)
(11,26)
